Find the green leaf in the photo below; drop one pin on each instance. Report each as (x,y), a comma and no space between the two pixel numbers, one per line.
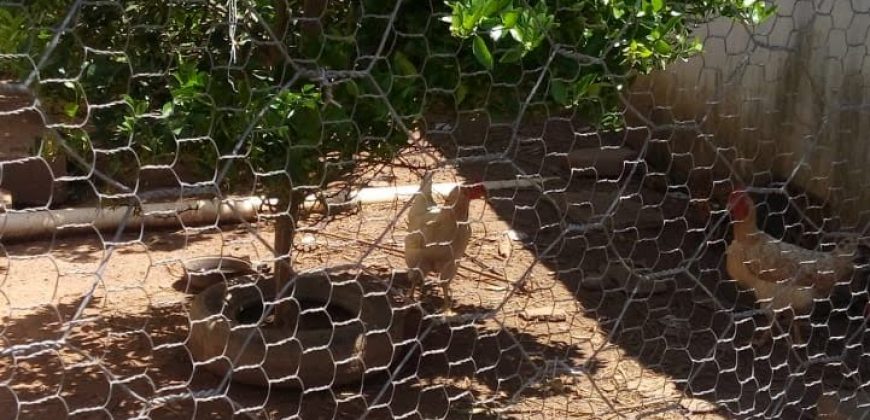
(761,12)
(559,92)
(511,56)
(617,12)
(140,108)
(167,109)
(670,25)
(584,83)
(70,109)
(491,7)
(594,90)
(496,33)
(509,18)
(461,92)
(662,47)
(469,21)
(517,34)
(657,5)
(404,66)
(481,52)
(352,88)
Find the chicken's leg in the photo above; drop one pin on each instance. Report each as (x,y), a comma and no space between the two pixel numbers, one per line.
(415,277)
(448,271)
(762,338)
(775,318)
(795,331)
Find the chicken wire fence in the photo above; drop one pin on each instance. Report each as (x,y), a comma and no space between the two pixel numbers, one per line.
(605,271)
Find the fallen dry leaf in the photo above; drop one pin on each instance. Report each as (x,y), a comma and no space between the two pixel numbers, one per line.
(543,314)
(505,247)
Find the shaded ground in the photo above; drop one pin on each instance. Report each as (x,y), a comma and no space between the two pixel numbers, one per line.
(698,331)
(663,355)
(131,335)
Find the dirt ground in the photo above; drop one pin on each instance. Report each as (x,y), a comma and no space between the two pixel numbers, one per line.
(133,333)
(671,353)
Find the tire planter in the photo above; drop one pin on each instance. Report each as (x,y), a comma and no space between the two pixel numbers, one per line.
(203,272)
(337,335)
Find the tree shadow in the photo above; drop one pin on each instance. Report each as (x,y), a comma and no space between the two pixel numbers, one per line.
(88,247)
(697,331)
(117,361)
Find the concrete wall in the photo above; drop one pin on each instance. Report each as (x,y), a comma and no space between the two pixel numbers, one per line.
(787,102)
(32,181)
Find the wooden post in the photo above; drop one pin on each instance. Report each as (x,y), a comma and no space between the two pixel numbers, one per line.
(313,9)
(284,230)
(279,28)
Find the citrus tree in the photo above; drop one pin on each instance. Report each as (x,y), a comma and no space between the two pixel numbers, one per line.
(293,94)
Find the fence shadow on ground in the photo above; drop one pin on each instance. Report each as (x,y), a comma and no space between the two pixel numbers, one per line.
(116,363)
(696,332)
(112,363)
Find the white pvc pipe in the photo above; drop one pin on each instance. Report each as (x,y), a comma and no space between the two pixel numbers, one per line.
(31,224)
(387,194)
(28,224)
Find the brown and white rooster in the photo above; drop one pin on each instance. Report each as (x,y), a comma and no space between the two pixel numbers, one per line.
(438,235)
(780,274)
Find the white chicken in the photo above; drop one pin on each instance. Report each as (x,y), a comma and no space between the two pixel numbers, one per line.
(438,235)
(780,274)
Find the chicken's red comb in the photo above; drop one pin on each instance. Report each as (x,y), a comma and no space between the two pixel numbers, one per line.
(475,189)
(738,196)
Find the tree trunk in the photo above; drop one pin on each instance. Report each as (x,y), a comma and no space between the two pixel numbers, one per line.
(284,229)
(311,28)
(312,9)
(274,56)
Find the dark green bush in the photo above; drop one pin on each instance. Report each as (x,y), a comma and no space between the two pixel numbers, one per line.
(297,90)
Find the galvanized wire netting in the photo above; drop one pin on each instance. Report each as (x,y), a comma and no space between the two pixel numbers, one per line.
(145,142)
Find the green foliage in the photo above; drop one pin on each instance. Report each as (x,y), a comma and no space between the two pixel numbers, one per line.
(527,26)
(156,77)
(12,31)
(599,45)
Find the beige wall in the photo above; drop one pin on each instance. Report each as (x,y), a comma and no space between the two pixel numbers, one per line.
(790,99)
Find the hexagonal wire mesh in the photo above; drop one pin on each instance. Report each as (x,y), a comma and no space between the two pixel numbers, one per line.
(607,273)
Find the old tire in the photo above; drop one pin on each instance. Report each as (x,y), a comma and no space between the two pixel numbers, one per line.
(203,272)
(303,355)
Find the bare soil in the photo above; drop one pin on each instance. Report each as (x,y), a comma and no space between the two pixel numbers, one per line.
(106,322)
